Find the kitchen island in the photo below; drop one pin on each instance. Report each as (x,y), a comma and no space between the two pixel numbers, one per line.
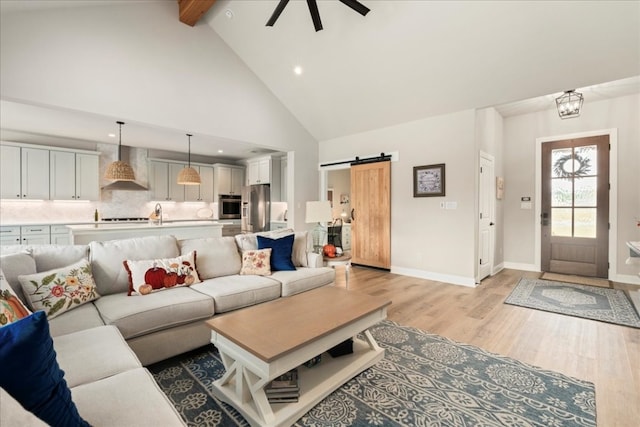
(85,233)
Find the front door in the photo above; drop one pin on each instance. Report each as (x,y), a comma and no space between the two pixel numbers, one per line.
(575,206)
(371,214)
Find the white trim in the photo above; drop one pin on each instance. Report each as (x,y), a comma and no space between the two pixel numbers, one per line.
(437,277)
(497,268)
(626,278)
(521,266)
(613,193)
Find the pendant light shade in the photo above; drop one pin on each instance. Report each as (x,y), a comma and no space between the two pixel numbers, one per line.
(188,175)
(119,170)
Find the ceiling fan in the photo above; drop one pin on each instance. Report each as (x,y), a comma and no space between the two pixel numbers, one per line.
(313,9)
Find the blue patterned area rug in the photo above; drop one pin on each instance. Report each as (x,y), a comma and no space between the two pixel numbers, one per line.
(589,302)
(423,380)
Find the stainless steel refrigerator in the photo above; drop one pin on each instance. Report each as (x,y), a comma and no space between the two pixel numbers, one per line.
(256,208)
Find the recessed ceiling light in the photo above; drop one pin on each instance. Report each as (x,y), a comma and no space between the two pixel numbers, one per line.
(297,70)
(220,151)
(228,13)
(111,135)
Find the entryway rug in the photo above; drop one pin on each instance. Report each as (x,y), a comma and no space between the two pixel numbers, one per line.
(581,280)
(589,302)
(423,380)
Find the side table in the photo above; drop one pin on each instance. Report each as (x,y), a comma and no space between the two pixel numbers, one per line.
(344,259)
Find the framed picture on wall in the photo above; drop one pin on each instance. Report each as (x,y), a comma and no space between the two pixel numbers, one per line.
(428,181)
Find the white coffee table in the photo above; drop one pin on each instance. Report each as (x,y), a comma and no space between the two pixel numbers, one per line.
(260,343)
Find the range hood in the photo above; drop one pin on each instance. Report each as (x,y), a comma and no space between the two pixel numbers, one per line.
(124,185)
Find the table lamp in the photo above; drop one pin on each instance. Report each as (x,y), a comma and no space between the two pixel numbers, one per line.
(318,212)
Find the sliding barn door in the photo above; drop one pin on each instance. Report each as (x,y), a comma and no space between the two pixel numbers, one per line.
(371,214)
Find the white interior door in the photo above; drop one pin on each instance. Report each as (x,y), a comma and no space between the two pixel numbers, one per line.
(486,216)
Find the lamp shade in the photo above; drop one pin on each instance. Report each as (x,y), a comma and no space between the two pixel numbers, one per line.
(318,211)
(120,171)
(189,176)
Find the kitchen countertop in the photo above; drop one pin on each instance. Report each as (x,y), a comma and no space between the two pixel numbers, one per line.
(92,223)
(140,225)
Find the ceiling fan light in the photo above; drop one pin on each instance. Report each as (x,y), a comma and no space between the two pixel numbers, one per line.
(189,176)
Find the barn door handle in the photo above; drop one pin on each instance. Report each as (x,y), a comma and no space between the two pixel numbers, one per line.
(352,214)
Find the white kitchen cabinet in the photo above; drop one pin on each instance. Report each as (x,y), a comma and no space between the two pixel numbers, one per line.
(24,173)
(204,191)
(10,235)
(163,180)
(60,235)
(228,180)
(35,235)
(73,176)
(265,170)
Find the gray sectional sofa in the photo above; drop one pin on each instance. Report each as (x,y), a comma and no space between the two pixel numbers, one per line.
(104,345)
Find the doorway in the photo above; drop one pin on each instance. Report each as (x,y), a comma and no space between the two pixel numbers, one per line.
(486,218)
(574,219)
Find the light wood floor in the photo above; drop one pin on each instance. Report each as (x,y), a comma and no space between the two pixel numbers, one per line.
(604,354)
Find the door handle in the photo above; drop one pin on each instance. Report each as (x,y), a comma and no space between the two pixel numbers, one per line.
(491,223)
(544,219)
(352,214)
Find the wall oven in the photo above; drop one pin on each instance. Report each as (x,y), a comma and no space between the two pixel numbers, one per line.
(229,206)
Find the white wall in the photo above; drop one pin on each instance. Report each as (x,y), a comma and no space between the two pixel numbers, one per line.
(520,133)
(489,138)
(426,241)
(137,62)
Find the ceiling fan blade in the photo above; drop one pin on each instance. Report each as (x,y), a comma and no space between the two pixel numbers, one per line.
(357,6)
(276,13)
(315,15)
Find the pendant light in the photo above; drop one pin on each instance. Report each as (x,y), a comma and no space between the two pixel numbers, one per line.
(569,104)
(188,175)
(119,170)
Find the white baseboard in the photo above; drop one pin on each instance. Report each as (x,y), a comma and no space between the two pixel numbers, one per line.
(626,278)
(438,277)
(497,269)
(520,266)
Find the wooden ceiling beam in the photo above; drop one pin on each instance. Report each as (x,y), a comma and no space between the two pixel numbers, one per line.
(192,10)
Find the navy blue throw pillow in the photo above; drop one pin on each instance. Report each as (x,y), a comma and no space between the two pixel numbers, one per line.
(280,251)
(30,373)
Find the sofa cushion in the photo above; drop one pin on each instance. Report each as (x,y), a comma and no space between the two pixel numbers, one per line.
(148,275)
(280,251)
(256,262)
(60,290)
(301,243)
(106,259)
(139,315)
(83,355)
(233,292)
(49,257)
(217,256)
(304,279)
(11,308)
(84,317)
(131,398)
(30,372)
(13,265)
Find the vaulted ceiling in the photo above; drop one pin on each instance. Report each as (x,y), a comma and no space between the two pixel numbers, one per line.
(406,60)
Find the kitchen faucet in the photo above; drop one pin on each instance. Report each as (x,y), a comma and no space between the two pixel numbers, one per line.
(157,211)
